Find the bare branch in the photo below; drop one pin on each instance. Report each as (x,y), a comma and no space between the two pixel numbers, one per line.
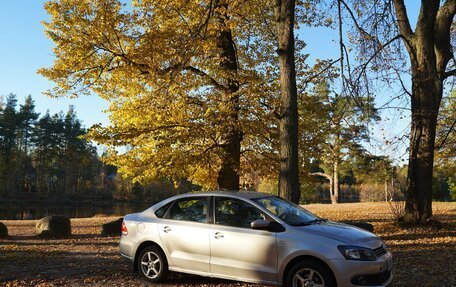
(272,110)
(312,77)
(177,67)
(203,74)
(447,135)
(364,66)
(321,174)
(441,29)
(355,21)
(449,74)
(403,21)
(403,85)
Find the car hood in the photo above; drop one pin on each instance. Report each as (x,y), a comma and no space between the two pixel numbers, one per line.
(344,233)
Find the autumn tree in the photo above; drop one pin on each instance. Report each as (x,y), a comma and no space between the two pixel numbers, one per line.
(429,51)
(444,179)
(284,12)
(383,32)
(446,134)
(181,78)
(344,131)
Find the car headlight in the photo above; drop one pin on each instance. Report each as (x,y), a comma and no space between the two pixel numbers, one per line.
(357,253)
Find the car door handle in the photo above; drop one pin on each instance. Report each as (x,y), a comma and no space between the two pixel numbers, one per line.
(218,235)
(166,229)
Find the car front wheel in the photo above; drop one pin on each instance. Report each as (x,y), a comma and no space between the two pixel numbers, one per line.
(152,264)
(310,273)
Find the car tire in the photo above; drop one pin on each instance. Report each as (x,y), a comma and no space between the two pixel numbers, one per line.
(318,273)
(152,264)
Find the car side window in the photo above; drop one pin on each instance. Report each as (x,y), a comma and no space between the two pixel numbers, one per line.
(162,210)
(190,209)
(235,212)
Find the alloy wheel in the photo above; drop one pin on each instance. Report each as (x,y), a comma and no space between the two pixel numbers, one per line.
(150,265)
(308,277)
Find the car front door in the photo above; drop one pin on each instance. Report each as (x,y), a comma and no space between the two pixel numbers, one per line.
(184,231)
(237,251)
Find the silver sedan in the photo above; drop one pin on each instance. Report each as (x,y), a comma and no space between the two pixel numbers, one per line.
(251,237)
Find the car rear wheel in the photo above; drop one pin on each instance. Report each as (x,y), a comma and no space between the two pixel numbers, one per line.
(152,264)
(310,273)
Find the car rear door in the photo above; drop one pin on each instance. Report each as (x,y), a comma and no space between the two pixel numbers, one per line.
(237,251)
(184,231)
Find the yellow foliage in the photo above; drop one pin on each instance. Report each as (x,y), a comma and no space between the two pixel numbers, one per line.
(158,65)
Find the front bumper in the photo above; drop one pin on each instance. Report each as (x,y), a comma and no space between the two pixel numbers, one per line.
(363,273)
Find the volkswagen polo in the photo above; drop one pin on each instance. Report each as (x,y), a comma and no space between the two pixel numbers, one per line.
(252,237)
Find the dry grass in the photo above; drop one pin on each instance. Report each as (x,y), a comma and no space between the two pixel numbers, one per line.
(423,256)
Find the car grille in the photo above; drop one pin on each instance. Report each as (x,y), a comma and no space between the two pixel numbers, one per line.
(379,251)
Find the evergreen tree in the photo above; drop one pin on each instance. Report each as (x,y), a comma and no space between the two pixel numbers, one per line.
(26,122)
(344,129)
(8,133)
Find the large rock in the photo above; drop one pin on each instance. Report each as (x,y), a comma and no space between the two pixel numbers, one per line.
(361,224)
(3,231)
(112,228)
(54,226)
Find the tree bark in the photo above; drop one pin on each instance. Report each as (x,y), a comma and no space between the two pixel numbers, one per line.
(335,193)
(335,196)
(429,49)
(288,122)
(426,96)
(228,175)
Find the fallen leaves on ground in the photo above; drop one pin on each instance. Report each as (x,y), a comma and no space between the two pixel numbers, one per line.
(422,256)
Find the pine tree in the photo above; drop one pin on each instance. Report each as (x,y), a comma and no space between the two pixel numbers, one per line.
(27,119)
(8,151)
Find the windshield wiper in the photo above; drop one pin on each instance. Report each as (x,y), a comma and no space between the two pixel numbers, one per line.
(316,220)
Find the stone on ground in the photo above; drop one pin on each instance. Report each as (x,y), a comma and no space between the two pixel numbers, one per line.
(54,226)
(112,228)
(3,231)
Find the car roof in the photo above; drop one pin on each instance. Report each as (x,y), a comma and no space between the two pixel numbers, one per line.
(236,193)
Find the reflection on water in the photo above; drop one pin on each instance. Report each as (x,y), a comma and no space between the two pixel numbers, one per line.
(37,211)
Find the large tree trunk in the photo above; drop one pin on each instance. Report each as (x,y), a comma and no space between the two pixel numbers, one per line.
(228,175)
(430,50)
(288,123)
(426,97)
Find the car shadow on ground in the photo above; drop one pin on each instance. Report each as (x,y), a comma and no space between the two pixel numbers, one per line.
(82,259)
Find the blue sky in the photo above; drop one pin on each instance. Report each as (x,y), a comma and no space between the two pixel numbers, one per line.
(24,48)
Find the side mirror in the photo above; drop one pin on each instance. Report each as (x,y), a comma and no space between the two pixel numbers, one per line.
(260,224)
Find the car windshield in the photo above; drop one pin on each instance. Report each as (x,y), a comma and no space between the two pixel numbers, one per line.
(289,212)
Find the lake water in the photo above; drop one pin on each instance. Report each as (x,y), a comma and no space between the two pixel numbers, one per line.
(37,211)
